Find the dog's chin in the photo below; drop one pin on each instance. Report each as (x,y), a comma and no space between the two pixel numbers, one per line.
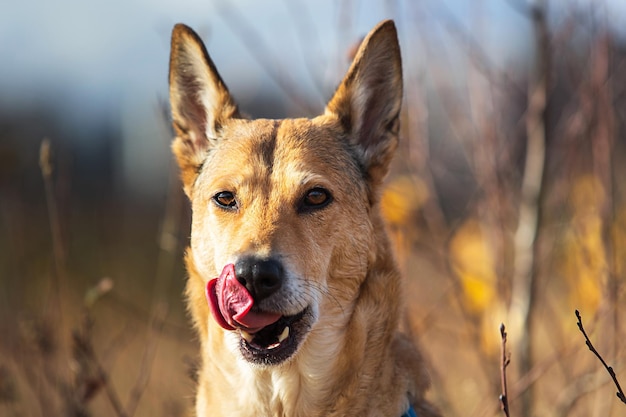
(278,342)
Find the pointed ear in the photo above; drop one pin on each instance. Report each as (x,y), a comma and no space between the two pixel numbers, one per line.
(369,98)
(199,99)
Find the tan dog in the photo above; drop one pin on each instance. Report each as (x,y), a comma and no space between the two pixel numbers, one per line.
(302,318)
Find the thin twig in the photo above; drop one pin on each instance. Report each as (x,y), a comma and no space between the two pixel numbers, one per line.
(84,350)
(110,391)
(504,362)
(620,393)
(309,45)
(262,53)
(476,53)
(524,382)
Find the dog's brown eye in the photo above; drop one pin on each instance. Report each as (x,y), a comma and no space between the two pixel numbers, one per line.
(225,199)
(316,198)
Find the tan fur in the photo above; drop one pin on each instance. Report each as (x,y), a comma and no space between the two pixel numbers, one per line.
(338,260)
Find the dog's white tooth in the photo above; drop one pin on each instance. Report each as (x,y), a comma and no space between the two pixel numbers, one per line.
(283,335)
(247,336)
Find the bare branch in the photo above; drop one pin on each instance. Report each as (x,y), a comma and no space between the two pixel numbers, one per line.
(91,381)
(476,53)
(620,393)
(504,362)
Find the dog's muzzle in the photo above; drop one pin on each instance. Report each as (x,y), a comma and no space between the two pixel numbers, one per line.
(266,337)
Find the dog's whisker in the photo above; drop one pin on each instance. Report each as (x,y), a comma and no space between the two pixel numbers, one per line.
(324,290)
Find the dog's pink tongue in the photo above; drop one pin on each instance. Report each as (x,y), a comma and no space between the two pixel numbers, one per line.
(230,304)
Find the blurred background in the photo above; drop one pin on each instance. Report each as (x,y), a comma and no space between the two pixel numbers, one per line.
(506,202)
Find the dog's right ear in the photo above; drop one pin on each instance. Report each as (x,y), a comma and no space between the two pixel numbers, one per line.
(199,99)
(368,100)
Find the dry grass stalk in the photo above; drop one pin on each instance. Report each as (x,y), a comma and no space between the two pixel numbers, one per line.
(58,282)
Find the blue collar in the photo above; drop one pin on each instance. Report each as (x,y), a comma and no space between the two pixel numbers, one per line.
(410,412)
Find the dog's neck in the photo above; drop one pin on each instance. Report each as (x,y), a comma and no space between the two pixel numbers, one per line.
(301,387)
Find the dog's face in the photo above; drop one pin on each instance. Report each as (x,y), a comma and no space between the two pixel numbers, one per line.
(282,208)
(273,200)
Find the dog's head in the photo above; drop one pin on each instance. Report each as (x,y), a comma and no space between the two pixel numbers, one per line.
(283,210)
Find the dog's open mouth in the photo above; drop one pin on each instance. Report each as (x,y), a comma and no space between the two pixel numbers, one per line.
(277,342)
(267,338)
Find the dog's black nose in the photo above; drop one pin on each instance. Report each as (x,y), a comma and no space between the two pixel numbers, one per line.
(261,277)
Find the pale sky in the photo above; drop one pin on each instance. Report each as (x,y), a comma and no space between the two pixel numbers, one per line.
(89,57)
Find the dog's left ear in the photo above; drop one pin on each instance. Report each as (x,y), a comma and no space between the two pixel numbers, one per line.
(369,98)
(200,102)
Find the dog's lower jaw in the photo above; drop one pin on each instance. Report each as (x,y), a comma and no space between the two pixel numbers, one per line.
(269,347)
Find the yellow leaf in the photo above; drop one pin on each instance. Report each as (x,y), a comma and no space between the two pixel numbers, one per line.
(472,260)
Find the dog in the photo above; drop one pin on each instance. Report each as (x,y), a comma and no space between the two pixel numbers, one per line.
(293,287)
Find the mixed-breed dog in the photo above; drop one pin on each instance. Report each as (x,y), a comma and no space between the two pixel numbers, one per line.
(293,287)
